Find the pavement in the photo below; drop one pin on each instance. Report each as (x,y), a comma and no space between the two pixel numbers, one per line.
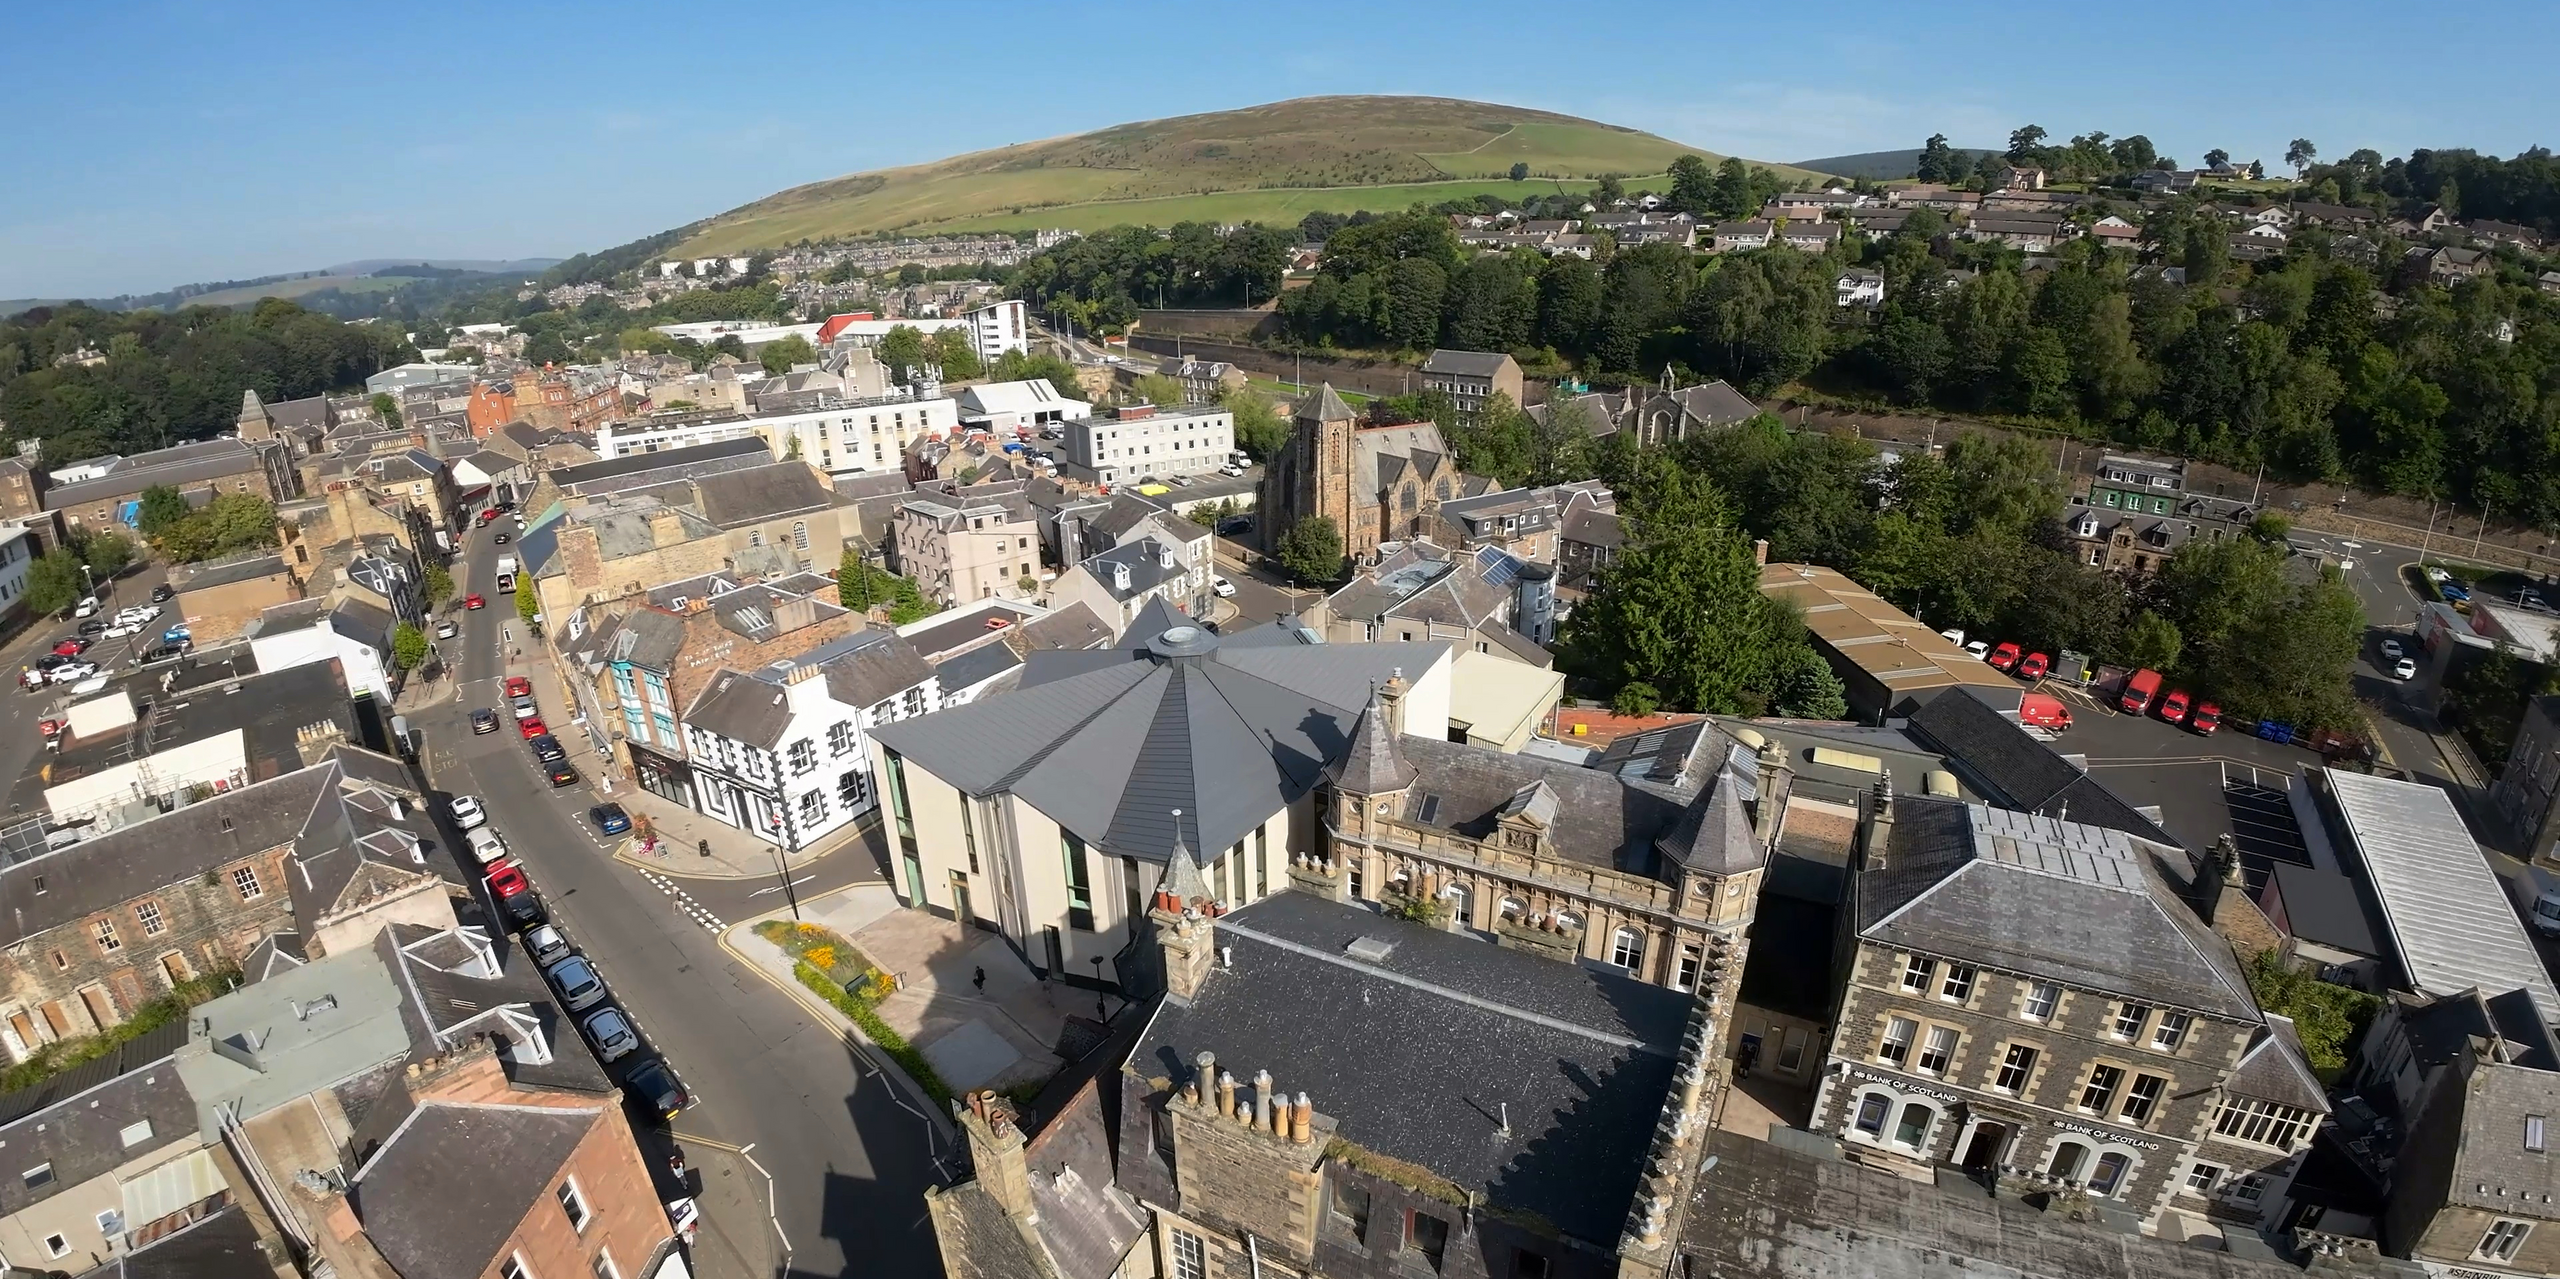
(850,1158)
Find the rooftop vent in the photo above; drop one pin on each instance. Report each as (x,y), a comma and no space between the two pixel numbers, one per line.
(1370,949)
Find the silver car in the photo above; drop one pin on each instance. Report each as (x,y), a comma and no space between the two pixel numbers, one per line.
(610,1032)
(577,983)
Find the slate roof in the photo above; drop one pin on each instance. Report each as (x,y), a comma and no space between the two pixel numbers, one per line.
(275,953)
(1996,758)
(736,498)
(882,666)
(1147,570)
(741,708)
(2275,1069)
(362,622)
(1076,626)
(2081,904)
(1107,742)
(1086,1221)
(1594,528)
(1582,1056)
(2323,906)
(74,1120)
(458,984)
(980,1241)
(1323,406)
(180,465)
(436,1203)
(1372,765)
(2491,1167)
(975,667)
(1465,363)
(69,884)
(246,568)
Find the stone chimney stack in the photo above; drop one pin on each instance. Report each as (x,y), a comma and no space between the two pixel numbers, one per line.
(996,1149)
(1760,552)
(1391,699)
(1184,917)
(1776,782)
(1878,802)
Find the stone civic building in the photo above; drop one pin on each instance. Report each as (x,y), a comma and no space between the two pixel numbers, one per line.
(2030,997)
(1376,483)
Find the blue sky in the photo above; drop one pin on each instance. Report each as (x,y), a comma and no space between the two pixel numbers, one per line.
(159,144)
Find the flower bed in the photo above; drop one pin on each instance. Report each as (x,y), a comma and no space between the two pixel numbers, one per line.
(827,951)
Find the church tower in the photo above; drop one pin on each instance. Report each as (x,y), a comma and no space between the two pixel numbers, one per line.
(254,423)
(1317,466)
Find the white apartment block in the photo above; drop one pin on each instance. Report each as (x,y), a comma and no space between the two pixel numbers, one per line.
(845,438)
(1140,441)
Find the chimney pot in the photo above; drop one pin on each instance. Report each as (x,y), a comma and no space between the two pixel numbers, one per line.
(1226,1094)
(1301,1120)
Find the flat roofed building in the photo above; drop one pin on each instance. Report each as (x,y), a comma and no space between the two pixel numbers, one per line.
(1891,662)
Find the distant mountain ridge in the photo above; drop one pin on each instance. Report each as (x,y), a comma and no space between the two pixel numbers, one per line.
(296,284)
(1884,166)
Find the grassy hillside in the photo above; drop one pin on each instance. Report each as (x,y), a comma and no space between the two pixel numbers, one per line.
(1306,153)
(1883,166)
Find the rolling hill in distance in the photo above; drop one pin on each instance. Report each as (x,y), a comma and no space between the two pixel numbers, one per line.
(1271,163)
(1883,166)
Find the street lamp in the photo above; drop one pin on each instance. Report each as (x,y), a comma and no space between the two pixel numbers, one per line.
(782,871)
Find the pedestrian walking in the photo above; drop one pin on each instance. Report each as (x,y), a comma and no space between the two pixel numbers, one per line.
(702,846)
(979,980)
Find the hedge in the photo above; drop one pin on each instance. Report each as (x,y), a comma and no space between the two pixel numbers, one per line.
(878,1031)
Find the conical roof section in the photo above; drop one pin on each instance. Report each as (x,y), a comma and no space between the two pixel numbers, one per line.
(251,409)
(1182,876)
(1374,765)
(1324,406)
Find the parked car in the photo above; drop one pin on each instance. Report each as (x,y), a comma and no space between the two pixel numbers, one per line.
(2045,712)
(2405,668)
(2391,650)
(2034,666)
(560,774)
(87,607)
(447,630)
(474,602)
(488,847)
(93,627)
(609,818)
(652,1083)
(515,896)
(71,672)
(159,653)
(1222,587)
(139,613)
(499,537)
(177,635)
(2207,718)
(488,515)
(2173,708)
(611,1033)
(576,981)
(467,812)
(2456,592)
(519,686)
(547,749)
(484,720)
(524,708)
(2005,658)
(72,646)
(531,728)
(163,593)
(546,945)
(1980,649)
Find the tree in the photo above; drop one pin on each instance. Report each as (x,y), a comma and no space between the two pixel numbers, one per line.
(408,646)
(1681,609)
(547,347)
(780,357)
(528,601)
(957,355)
(2326,1016)
(1609,191)
(2023,143)
(1803,686)
(902,352)
(1638,700)
(387,407)
(1938,162)
(1519,170)
(2216,158)
(106,554)
(55,582)
(439,585)
(1693,188)
(1312,550)
(1158,390)
(1733,190)
(161,506)
(1259,430)
(2300,155)
(2152,642)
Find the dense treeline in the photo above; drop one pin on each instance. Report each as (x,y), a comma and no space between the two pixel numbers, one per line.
(87,381)
(1969,538)
(1101,280)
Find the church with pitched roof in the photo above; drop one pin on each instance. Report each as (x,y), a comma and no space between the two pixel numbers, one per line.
(1376,483)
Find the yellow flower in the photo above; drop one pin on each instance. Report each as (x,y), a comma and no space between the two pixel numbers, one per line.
(822,956)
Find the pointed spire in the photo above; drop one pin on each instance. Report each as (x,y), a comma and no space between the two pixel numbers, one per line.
(1374,764)
(254,421)
(1324,406)
(1182,876)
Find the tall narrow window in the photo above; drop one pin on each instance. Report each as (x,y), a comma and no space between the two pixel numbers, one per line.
(1895,1046)
(2143,1098)
(1261,862)
(1079,883)
(1938,1051)
(1915,974)
(969,833)
(2041,997)
(2100,1092)
(2171,1032)
(1190,1256)
(2016,1069)
(1626,949)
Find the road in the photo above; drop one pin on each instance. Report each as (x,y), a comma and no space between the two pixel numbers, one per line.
(850,1159)
(19,740)
(1262,593)
(2407,709)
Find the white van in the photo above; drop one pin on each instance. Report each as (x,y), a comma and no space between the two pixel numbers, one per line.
(486,844)
(2546,912)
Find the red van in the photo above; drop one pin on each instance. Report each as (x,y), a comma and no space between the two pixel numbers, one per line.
(2045,712)
(2139,690)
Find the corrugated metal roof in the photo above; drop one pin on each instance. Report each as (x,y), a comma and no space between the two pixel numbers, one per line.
(2447,914)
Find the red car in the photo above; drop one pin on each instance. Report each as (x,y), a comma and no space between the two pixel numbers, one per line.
(519,686)
(474,601)
(488,515)
(531,728)
(2208,717)
(2034,667)
(72,647)
(2004,657)
(2173,708)
(516,898)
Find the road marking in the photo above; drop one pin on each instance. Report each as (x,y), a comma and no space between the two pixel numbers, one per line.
(684,902)
(778,888)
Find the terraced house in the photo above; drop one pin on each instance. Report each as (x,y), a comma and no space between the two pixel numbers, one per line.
(2028,997)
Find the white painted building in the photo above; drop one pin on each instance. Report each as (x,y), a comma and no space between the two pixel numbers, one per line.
(1007,407)
(784,752)
(357,635)
(844,438)
(1143,440)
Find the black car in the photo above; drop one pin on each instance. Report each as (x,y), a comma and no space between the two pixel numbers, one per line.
(500,540)
(163,593)
(652,1084)
(94,627)
(159,653)
(547,749)
(562,775)
(484,720)
(51,660)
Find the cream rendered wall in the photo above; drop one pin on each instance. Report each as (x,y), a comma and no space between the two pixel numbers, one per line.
(73,1214)
(1426,704)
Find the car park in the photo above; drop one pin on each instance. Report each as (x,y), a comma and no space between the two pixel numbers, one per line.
(650,1082)
(547,749)
(609,818)
(611,1033)
(2405,668)
(546,945)
(2207,718)
(467,812)
(2005,658)
(474,602)
(531,728)
(560,774)
(2173,708)
(488,847)
(516,899)
(576,981)
(2034,666)
(484,720)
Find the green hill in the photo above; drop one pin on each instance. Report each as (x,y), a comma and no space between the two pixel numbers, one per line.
(1272,163)
(1884,166)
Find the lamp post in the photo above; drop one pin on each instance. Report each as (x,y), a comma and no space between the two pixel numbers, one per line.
(781,862)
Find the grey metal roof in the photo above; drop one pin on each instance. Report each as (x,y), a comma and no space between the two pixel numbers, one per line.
(312,1028)
(741,708)
(245,568)
(1465,363)
(1996,758)
(975,667)
(436,1201)
(2080,904)
(2323,906)
(1581,1056)
(2446,912)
